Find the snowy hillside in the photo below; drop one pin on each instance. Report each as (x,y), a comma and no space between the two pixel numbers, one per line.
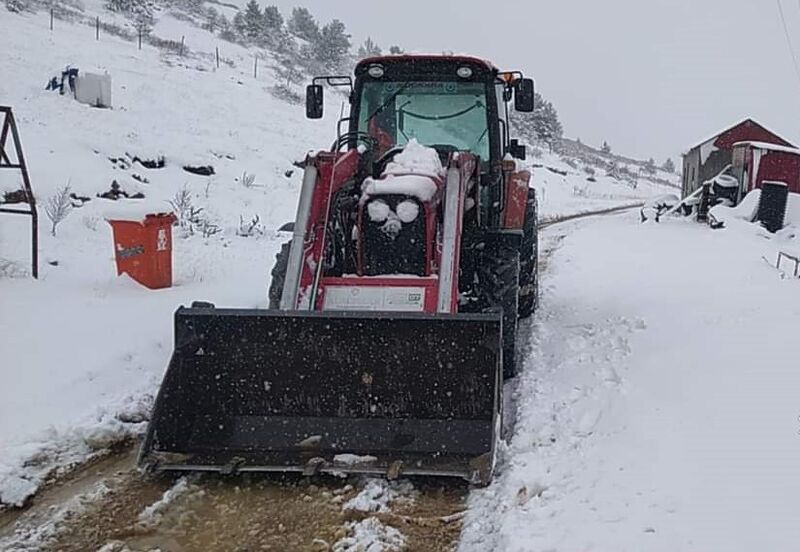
(82,345)
(83,350)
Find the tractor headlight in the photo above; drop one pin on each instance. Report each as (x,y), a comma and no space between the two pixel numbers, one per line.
(464,72)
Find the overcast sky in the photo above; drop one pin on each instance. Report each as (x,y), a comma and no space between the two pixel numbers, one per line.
(653,77)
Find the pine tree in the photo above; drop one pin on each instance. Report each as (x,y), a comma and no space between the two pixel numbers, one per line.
(303,25)
(253,21)
(369,49)
(273,20)
(606,148)
(668,166)
(332,46)
(226,30)
(542,125)
(287,71)
(395,50)
(212,20)
(239,25)
(650,166)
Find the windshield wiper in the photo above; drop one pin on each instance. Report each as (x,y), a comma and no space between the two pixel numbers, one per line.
(387,101)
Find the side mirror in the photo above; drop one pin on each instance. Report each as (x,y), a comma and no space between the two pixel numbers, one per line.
(523,95)
(516,150)
(314,101)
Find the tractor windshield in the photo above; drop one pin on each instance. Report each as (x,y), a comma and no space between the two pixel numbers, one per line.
(436,113)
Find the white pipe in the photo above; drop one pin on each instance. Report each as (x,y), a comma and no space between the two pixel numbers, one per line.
(294,267)
(452,214)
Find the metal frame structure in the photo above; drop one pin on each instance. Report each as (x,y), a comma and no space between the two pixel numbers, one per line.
(18,163)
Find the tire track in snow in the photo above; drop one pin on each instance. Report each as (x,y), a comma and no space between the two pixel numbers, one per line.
(557,405)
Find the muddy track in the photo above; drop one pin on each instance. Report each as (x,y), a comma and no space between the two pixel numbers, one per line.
(109,505)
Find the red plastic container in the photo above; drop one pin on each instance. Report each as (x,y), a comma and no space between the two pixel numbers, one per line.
(143,249)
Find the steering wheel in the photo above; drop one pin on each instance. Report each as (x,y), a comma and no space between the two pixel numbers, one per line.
(444,151)
(385,159)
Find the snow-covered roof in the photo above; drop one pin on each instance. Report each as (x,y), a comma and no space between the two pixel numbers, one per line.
(768,146)
(393,58)
(713,137)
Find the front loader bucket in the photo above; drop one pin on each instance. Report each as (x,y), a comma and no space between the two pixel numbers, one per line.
(344,392)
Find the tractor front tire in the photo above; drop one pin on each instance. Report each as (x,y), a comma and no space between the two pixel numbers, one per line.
(279,276)
(498,274)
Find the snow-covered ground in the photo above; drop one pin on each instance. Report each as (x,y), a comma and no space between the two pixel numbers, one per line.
(564,187)
(83,351)
(659,409)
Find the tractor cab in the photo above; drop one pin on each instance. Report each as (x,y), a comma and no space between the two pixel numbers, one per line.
(400,108)
(449,103)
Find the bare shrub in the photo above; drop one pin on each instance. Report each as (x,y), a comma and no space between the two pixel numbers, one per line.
(248,180)
(192,219)
(17,6)
(91,222)
(286,93)
(11,269)
(253,227)
(58,206)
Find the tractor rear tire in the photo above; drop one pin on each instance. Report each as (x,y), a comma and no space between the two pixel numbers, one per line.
(498,274)
(529,260)
(279,276)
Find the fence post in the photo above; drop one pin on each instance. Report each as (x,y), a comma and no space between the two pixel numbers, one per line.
(140,37)
(182,39)
(217,51)
(51,19)
(97,28)
(255,67)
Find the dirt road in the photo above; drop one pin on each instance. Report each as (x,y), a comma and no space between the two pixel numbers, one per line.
(113,507)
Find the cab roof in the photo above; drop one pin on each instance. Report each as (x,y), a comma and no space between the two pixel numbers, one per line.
(417,58)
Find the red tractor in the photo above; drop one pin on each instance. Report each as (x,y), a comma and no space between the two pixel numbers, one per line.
(393,309)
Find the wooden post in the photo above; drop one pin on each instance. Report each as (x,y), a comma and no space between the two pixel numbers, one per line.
(255,67)
(217,51)
(140,37)
(97,28)
(182,39)
(51,19)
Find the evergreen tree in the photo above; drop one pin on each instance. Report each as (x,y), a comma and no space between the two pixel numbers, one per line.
(212,20)
(272,27)
(226,30)
(668,166)
(650,166)
(303,25)
(253,21)
(239,25)
(332,46)
(369,49)
(287,71)
(542,125)
(140,11)
(273,20)
(606,148)
(395,50)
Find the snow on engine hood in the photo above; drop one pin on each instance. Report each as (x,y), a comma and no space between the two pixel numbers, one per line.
(416,159)
(411,172)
